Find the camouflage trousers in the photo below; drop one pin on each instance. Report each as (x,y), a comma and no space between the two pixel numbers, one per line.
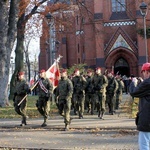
(88,101)
(111,101)
(43,106)
(78,100)
(21,109)
(64,109)
(99,100)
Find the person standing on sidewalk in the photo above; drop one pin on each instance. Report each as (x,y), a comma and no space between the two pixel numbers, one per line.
(21,89)
(142,91)
(64,93)
(45,89)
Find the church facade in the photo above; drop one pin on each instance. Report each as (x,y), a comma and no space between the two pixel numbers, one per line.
(104,34)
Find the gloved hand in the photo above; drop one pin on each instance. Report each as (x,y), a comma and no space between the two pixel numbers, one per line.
(46,98)
(29,91)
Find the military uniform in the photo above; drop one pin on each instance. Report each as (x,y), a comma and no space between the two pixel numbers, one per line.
(111,93)
(79,85)
(100,83)
(64,93)
(21,89)
(45,88)
(119,92)
(89,94)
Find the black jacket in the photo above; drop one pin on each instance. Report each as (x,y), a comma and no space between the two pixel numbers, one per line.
(142,91)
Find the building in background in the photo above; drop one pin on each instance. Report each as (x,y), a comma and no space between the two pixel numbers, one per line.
(103,33)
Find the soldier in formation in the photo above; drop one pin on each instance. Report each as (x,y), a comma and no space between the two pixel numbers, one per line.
(100,83)
(21,90)
(79,85)
(45,89)
(89,93)
(111,92)
(119,91)
(64,93)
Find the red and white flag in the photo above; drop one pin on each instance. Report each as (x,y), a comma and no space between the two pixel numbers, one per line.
(53,73)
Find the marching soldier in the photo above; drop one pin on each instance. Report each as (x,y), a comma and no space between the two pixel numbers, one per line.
(111,92)
(79,85)
(21,89)
(100,83)
(119,91)
(89,91)
(45,89)
(64,93)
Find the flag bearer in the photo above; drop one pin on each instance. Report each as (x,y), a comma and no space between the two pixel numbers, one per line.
(45,88)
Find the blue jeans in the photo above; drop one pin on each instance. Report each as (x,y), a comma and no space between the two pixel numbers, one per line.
(144,140)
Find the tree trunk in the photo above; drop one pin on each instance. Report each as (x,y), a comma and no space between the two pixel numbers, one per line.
(8,19)
(19,52)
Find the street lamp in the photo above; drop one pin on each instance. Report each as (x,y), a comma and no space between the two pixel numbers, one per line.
(143,10)
(49,18)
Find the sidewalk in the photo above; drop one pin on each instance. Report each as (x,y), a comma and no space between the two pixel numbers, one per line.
(114,132)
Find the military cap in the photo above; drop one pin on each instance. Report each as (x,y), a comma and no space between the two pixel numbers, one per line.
(76,70)
(41,71)
(64,70)
(20,73)
(98,68)
(89,71)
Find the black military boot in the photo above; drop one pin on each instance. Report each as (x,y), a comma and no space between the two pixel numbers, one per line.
(101,115)
(66,127)
(44,123)
(80,116)
(24,121)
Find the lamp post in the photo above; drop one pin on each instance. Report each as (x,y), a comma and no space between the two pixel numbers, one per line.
(56,47)
(50,24)
(143,10)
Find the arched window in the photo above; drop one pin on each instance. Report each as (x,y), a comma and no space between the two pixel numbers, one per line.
(118,5)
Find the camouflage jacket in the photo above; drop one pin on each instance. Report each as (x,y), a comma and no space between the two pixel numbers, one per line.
(79,84)
(21,87)
(100,83)
(64,89)
(48,85)
(120,86)
(89,86)
(112,86)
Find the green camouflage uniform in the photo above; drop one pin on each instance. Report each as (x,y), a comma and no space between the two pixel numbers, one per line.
(111,94)
(100,83)
(21,90)
(64,93)
(89,94)
(79,85)
(43,103)
(119,92)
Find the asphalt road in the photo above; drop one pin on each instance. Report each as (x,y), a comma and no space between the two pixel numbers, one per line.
(117,132)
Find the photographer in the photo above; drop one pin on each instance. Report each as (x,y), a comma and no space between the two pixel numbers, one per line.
(142,91)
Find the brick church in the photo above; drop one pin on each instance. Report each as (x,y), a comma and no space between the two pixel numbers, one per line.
(104,33)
